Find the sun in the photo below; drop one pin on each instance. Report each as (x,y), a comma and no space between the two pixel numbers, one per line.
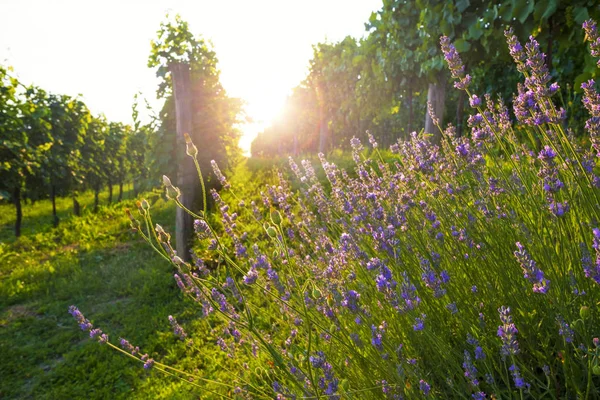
(262,109)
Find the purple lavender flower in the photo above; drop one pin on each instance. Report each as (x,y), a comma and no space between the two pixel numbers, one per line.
(409,293)
(470,370)
(377,337)
(201,228)
(518,380)
(84,324)
(125,345)
(424,387)
(515,49)
(149,364)
(251,276)
(508,333)
(329,383)
(565,330)
(474,101)
(95,332)
(452,308)
(419,323)
(457,68)
(350,300)
(177,329)
(431,280)
(592,269)
(219,175)
(530,270)
(591,35)
(479,354)
(372,140)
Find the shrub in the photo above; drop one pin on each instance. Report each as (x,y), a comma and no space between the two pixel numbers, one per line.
(469,269)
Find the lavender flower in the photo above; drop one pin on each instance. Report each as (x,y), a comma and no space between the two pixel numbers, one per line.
(508,333)
(564,329)
(424,387)
(518,380)
(592,269)
(530,270)
(457,68)
(219,175)
(515,49)
(470,370)
(350,301)
(419,323)
(591,35)
(149,364)
(177,329)
(84,324)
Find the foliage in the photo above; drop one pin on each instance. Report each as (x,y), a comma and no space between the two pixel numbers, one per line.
(481,255)
(52,146)
(379,83)
(215,115)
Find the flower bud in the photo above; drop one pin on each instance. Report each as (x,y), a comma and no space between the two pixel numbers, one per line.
(330,301)
(584,312)
(177,260)
(275,217)
(139,207)
(344,384)
(135,224)
(172,192)
(145,205)
(316,293)
(190,149)
(167,181)
(272,232)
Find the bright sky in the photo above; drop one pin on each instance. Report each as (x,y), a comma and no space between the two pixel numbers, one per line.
(99,49)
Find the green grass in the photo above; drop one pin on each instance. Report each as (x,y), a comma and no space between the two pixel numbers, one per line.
(96,262)
(99,264)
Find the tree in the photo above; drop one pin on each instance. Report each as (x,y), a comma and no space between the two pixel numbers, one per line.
(93,156)
(190,84)
(20,158)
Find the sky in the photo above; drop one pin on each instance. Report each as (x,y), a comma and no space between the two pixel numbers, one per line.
(99,49)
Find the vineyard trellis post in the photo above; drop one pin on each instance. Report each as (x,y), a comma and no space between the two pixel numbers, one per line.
(186,179)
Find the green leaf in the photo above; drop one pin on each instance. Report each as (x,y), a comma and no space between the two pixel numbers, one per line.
(522,9)
(544,9)
(462,45)
(580,14)
(461,5)
(475,31)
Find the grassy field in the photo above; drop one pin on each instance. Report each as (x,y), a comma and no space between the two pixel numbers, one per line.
(96,262)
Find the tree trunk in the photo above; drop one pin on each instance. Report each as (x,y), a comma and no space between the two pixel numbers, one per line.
(460,112)
(323,133)
(186,179)
(120,192)
(53,198)
(96,197)
(110,187)
(436,96)
(17,201)
(295,149)
(550,43)
(410,110)
(76,206)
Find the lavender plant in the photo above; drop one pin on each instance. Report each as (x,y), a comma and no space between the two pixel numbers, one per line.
(463,270)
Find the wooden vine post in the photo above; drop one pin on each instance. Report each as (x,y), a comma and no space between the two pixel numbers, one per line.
(186,172)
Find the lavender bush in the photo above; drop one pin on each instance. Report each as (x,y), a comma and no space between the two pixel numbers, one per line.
(465,270)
